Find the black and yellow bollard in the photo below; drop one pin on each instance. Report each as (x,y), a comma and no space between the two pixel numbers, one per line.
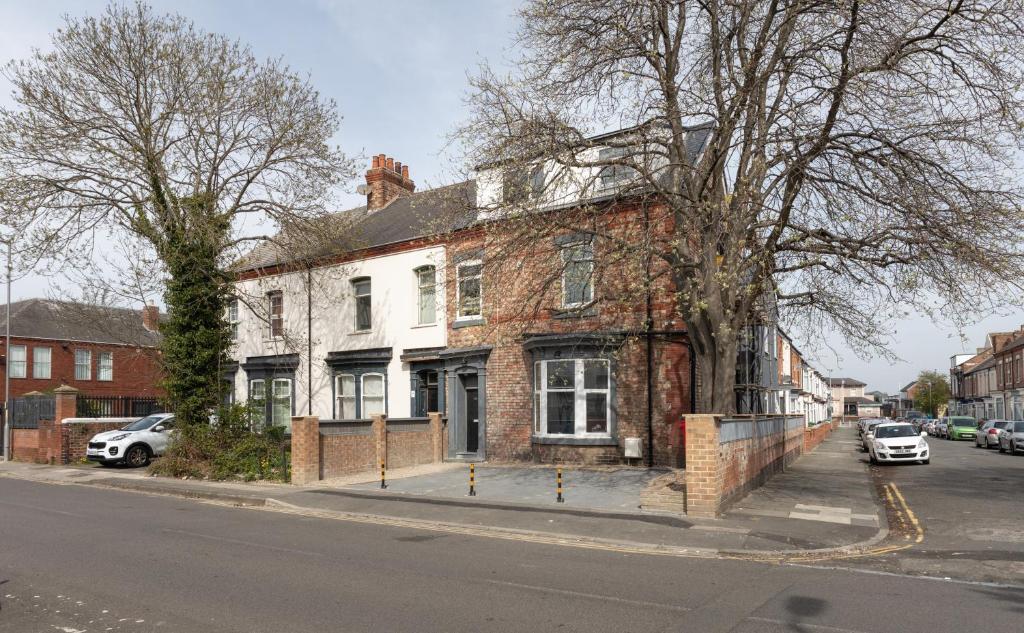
(558,481)
(472,480)
(383,483)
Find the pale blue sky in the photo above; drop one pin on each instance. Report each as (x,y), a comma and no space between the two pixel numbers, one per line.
(397,70)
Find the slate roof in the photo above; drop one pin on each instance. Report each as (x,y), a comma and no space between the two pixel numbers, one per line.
(849,382)
(82,322)
(908,386)
(989,362)
(421,214)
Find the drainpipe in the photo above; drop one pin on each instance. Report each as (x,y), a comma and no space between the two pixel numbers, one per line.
(309,340)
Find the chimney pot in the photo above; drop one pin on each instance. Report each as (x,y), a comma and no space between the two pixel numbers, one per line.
(398,167)
(391,164)
(405,171)
(386,180)
(376,162)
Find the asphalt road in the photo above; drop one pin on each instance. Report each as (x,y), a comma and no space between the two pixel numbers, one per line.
(969,504)
(78,559)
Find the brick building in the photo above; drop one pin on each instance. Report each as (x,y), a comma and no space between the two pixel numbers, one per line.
(98,350)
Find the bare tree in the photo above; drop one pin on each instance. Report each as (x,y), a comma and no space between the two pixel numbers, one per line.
(846,160)
(144,124)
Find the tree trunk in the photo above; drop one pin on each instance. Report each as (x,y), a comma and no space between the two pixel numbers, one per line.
(716,372)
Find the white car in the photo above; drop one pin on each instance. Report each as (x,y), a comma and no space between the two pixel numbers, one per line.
(988,434)
(897,442)
(134,444)
(1012,438)
(868,436)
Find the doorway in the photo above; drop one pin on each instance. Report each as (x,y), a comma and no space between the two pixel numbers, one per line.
(471,412)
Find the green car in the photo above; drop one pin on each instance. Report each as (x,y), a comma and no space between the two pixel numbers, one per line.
(961,427)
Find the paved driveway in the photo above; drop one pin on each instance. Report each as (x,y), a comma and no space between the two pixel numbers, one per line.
(602,489)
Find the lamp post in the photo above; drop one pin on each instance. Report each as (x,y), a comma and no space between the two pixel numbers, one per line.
(7,362)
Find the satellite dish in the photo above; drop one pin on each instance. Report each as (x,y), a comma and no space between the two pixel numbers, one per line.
(363,190)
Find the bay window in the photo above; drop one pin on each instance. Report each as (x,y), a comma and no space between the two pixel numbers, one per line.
(281,405)
(572,397)
(258,402)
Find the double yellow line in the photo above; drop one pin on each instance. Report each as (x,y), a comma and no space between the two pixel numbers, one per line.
(909,525)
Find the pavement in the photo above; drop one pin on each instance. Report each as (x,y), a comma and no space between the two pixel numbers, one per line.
(85,559)
(823,506)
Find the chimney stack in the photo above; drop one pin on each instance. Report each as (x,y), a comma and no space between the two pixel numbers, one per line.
(151,317)
(386,180)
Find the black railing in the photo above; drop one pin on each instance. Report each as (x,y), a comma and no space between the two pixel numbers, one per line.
(116,406)
(27,411)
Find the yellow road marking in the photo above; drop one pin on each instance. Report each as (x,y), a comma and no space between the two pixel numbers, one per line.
(910,514)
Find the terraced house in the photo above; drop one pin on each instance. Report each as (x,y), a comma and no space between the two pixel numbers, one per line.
(411,315)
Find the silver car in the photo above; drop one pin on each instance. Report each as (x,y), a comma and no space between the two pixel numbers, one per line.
(988,434)
(1012,438)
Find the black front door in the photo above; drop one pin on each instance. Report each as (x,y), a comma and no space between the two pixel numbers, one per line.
(472,413)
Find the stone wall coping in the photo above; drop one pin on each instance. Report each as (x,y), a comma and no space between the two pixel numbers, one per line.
(94,420)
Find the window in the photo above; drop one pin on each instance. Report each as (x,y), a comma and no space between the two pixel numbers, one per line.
(275,309)
(232,318)
(345,393)
(361,290)
(373,395)
(469,290)
(615,175)
(426,295)
(571,397)
(105,366)
(40,362)
(83,364)
(519,184)
(577,274)
(18,361)
(281,405)
(258,402)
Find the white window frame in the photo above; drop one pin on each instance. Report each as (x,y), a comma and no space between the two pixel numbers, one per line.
(339,397)
(426,271)
(38,364)
(355,303)
(287,423)
(232,317)
(580,392)
(14,363)
(459,316)
(565,251)
(383,394)
(100,367)
(88,364)
(259,414)
(273,294)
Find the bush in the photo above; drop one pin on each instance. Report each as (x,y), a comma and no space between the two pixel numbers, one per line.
(226,449)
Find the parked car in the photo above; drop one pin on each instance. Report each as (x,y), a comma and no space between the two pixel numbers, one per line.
(898,442)
(134,444)
(988,433)
(1012,438)
(939,429)
(868,436)
(961,427)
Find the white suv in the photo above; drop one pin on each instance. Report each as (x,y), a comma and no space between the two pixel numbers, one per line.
(898,442)
(134,444)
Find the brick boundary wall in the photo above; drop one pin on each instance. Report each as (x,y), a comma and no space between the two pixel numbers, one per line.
(815,436)
(720,473)
(76,433)
(333,449)
(47,445)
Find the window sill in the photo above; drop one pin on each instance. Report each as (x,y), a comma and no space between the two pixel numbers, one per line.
(423,325)
(569,440)
(467,322)
(273,339)
(573,313)
(360,332)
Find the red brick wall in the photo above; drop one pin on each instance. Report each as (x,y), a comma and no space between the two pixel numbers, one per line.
(77,435)
(523,305)
(25,445)
(347,454)
(815,436)
(136,370)
(409,448)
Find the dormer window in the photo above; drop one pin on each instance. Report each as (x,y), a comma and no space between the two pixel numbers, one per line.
(615,175)
(520,185)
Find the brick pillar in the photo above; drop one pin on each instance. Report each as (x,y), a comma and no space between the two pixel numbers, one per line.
(704,476)
(305,450)
(436,437)
(380,438)
(66,407)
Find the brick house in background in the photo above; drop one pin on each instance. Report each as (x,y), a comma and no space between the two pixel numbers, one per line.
(98,350)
